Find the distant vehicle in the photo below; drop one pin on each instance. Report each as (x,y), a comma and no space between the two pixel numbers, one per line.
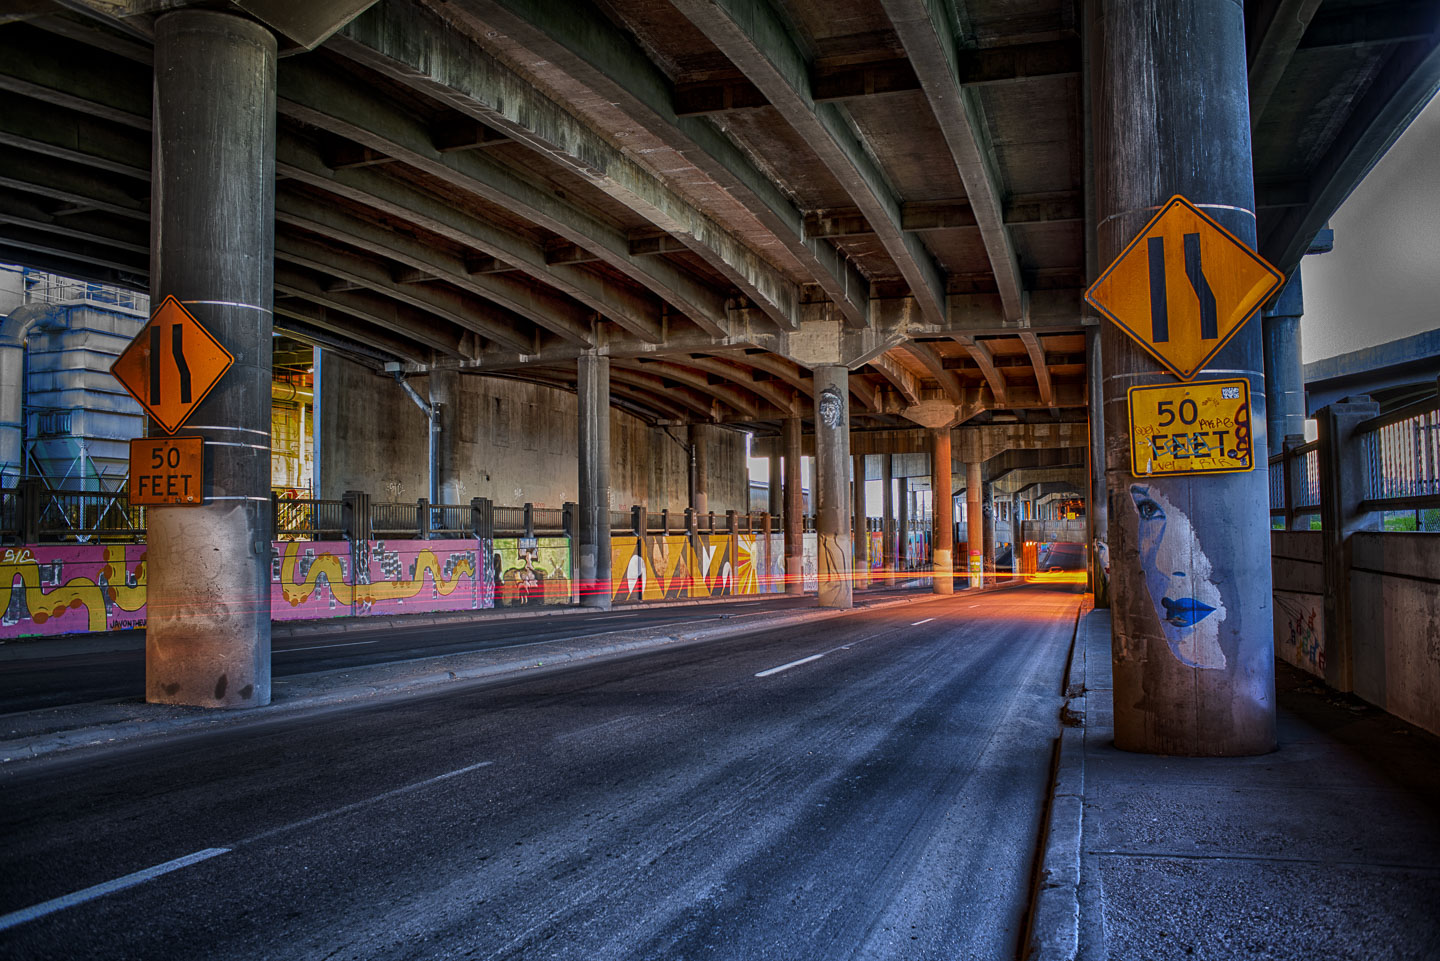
(1062,556)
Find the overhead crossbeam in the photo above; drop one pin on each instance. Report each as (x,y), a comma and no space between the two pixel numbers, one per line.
(933,45)
(980,353)
(754,38)
(934,366)
(593,52)
(900,378)
(1272,42)
(1036,350)
(949,214)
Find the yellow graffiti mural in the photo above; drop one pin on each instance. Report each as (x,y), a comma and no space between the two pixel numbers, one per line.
(328,564)
(667,568)
(77,592)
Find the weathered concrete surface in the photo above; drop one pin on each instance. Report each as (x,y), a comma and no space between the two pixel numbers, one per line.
(592,565)
(213,241)
(794,509)
(1395,606)
(1327,848)
(943,557)
(832,481)
(509,441)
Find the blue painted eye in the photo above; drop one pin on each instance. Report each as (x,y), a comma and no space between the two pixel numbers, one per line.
(1149,510)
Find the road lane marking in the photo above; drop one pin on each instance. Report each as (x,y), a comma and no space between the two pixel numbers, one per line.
(109,887)
(926,621)
(357,805)
(324,647)
(786,667)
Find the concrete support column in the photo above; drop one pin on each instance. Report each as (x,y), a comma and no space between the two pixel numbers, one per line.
(988,500)
(974,525)
(699,469)
(445,399)
(1342,489)
(887,520)
(794,510)
(943,488)
(832,474)
(207,640)
(1284,374)
(1097,511)
(858,532)
(1193,642)
(593,392)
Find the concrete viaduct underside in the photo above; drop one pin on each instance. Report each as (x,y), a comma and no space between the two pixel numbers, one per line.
(718,196)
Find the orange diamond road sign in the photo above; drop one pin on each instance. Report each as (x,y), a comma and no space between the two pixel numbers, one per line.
(1183,287)
(171,365)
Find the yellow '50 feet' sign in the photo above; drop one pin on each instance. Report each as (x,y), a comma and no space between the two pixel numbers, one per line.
(1202,427)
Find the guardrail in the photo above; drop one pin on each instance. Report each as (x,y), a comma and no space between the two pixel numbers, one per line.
(1402,458)
(1295,483)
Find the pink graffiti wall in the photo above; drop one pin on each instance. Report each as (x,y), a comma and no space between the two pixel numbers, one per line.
(71,589)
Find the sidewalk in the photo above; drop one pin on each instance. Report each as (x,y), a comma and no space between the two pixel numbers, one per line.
(30,734)
(1328,848)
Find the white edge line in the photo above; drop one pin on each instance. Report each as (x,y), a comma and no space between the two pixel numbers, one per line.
(109,887)
(322,647)
(786,667)
(926,621)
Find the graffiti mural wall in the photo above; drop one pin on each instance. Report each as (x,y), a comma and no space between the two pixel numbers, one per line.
(70,589)
(1300,630)
(532,576)
(315,579)
(660,568)
(310,580)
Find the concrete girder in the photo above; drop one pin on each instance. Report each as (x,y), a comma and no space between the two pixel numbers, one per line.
(899,378)
(312,96)
(729,396)
(980,442)
(480,317)
(1023,477)
(76,137)
(336,331)
(701,405)
(981,355)
(933,45)
(933,365)
(538,304)
(1407,82)
(440,63)
(948,215)
(594,52)
(59,180)
(1036,350)
(781,400)
(979,400)
(443,61)
(368,187)
(756,40)
(373,309)
(655,402)
(1272,42)
(73,76)
(121,234)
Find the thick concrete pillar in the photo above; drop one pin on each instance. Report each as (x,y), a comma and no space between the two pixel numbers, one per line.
(988,500)
(445,398)
(794,510)
(832,476)
(974,525)
(1190,556)
(699,469)
(593,392)
(858,531)
(207,640)
(1284,373)
(943,487)
(887,519)
(902,526)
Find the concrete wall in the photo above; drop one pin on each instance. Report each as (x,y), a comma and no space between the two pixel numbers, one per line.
(1298,574)
(516,442)
(1395,597)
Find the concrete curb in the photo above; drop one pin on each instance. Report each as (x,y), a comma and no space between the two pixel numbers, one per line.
(1055,905)
(293,696)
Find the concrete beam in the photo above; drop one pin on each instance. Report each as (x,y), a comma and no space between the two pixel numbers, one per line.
(1272,37)
(374,309)
(981,355)
(933,365)
(934,45)
(591,50)
(1038,362)
(948,215)
(413,45)
(755,39)
(899,378)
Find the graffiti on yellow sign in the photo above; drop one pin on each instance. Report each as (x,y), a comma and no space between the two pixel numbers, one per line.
(1197,428)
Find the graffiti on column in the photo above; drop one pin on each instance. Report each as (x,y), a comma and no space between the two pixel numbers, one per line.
(1300,630)
(71,589)
(810,561)
(1177,576)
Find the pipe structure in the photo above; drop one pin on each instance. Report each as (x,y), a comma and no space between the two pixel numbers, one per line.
(432,433)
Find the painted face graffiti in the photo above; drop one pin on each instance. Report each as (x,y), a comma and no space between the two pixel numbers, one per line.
(1178,577)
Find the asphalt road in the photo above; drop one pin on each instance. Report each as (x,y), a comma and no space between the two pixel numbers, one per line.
(737,799)
(79,674)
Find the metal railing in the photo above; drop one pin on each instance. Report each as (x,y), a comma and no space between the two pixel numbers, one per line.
(1401,452)
(308,518)
(1295,483)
